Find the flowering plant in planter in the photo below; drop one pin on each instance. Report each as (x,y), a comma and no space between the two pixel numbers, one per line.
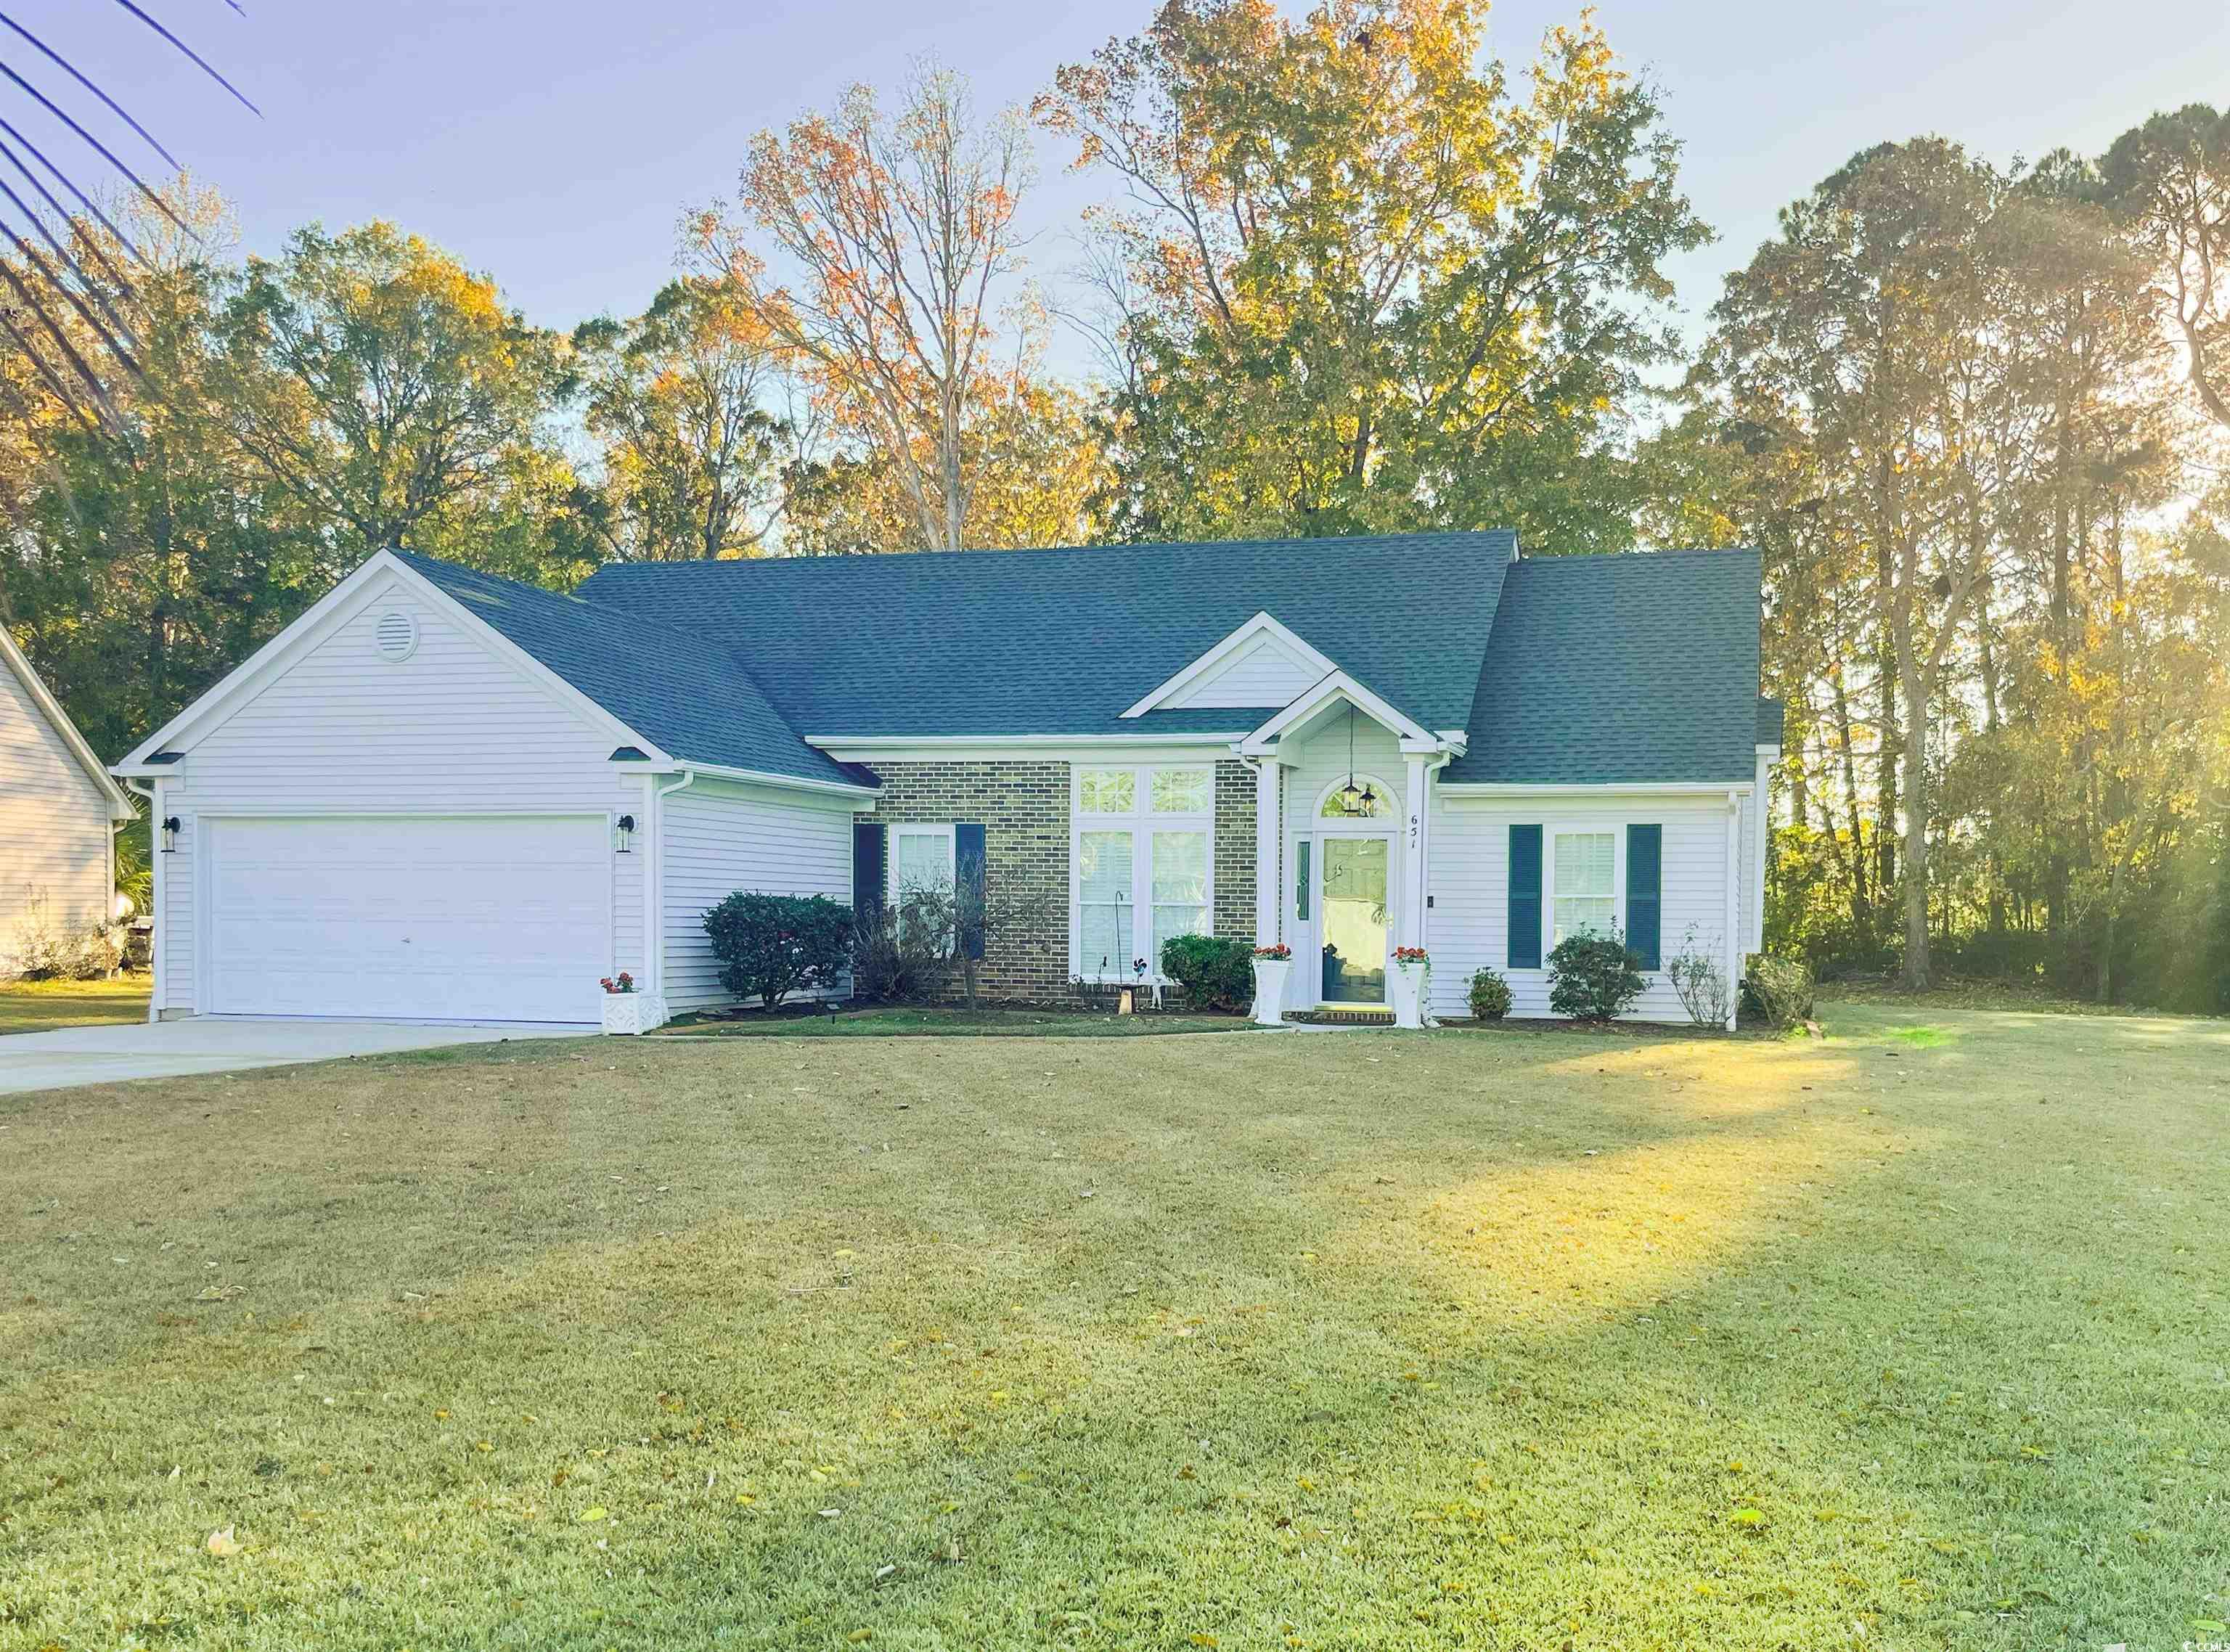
(622,982)
(1278,953)
(1412,968)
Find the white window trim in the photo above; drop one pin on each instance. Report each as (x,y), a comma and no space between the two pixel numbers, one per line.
(1551,831)
(911,829)
(1141,822)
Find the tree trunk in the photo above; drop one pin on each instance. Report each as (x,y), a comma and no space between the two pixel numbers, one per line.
(1915,755)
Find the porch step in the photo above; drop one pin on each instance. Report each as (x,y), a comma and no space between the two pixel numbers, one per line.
(1372,1017)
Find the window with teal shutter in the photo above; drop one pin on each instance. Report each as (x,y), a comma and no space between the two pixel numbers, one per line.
(1524,937)
(1645,874)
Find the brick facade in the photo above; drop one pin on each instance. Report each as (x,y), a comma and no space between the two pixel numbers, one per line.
(1235,851)
(1023,808)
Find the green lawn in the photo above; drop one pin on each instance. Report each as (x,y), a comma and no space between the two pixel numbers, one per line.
(1912,1339)
(37,1005)
(901,1021)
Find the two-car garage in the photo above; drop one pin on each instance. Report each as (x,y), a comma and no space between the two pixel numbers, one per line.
(474,918)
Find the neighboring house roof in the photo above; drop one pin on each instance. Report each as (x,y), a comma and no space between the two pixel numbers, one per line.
(681,691)
(120,807)
(1064,641)
(1639,668)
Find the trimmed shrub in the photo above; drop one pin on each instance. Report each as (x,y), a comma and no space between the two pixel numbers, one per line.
(1489,996)
(771,946)
(1776,991)
(1593,977)
(1216,973)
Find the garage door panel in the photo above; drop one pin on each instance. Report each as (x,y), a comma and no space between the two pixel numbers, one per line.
(451,917)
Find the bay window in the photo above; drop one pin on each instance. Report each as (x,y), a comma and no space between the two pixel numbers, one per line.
(1143,854)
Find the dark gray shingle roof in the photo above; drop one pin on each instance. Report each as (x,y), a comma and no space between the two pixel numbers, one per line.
(1603,669)
(681,691)
(1578,670)
(1771,718)
(1060,641)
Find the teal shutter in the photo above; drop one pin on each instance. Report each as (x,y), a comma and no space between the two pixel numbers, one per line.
(1524,949)
(1644,872)
(968,871)
(1301,882)
(866,875)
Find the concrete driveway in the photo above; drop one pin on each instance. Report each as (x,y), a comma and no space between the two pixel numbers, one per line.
(101,1055)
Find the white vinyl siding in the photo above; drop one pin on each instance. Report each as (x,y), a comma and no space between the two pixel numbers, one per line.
(1265,673)
(721,838)
(1467,925)
(456,728)
(54,822)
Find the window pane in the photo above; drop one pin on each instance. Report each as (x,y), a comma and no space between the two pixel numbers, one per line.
(1574,914)
(1104,906)
(924,860)
(1180,867)
(1106,791)
(1335,804)
(1180,887)
(1175,921)
(1103,866)
(1586,864)
(1104,941)
(1180,791)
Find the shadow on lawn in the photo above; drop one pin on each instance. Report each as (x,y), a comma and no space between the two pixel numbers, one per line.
(1515,1374)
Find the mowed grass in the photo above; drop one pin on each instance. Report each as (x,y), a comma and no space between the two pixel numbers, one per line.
(889,1021)
(38,1006)
(1342,1340)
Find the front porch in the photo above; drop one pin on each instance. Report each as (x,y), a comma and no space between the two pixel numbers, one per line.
(1343,839)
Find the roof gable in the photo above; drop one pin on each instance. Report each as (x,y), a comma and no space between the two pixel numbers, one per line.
(1261,664)
(682,691)
(44,706)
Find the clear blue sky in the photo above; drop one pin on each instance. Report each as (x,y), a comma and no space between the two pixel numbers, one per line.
(555,144)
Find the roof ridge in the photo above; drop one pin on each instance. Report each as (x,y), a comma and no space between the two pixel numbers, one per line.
(1033,552)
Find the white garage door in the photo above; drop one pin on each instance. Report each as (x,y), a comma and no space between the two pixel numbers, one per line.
(463,918)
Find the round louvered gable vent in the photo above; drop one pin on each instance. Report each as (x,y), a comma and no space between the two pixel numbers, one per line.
(396,636)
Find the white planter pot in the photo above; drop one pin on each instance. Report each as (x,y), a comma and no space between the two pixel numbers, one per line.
(1270,977)
(625,1012)
(1407,985)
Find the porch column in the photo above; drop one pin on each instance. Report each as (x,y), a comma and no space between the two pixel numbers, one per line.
(1269,838)
(1409,909)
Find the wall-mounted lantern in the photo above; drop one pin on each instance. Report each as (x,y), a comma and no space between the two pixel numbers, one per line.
(170,834)
(627,833)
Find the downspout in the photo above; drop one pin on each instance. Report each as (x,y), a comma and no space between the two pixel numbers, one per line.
(1734,890)
(655,886)
(153,794)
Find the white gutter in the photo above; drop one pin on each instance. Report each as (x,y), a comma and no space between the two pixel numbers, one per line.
(762,777)
(653,881)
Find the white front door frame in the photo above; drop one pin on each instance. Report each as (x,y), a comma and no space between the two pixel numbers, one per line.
(1308,939)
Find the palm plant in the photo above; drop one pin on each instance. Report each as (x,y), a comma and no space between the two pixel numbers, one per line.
(57,308)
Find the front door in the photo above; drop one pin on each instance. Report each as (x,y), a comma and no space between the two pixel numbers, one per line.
(1352,887)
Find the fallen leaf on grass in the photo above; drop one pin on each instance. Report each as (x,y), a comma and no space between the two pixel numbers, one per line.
(222,1541)
(596,1512)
